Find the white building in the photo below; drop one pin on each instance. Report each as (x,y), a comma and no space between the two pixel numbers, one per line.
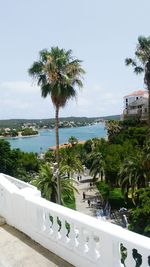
(136,104)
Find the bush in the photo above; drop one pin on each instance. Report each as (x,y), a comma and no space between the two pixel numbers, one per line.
(69,202)
(104,189)
(136,135)
(116,199)
(113,195)
(140,216)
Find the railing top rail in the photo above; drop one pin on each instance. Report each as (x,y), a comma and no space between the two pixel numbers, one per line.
(20,184)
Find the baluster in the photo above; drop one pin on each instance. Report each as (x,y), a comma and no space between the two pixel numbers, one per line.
(145,261)
(107,251)
(41,220)
(81,241)
(55,228)
(50,222)
(97,248)
(92,247)
(72,236)
(63,231)
(48,229)
(145,254)
(117,254)
(129,261)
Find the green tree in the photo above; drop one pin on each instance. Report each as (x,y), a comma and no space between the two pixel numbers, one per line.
(73,140)
(140,217)
(8,158)
(58,74)
(97,166)
(29,162)
(113,158)
(47,184)
(134,173)
(113,128)
(28,131)
(50,156)
(141,63)
(70,162)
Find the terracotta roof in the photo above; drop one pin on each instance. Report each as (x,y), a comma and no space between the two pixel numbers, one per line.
(52,148)
(136,93)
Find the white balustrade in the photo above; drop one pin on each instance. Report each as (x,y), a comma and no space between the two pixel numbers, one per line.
(77,238)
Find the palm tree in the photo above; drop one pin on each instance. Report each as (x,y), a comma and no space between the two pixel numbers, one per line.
(98,165)
(47,184)
(58,74)
(141,63)
(70,162)
(134,173)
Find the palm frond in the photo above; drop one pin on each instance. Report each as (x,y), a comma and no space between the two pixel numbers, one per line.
(36,69)
(138,70)
(57,73)
(130,61)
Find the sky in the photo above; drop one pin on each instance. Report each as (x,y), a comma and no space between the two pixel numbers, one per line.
(101,33)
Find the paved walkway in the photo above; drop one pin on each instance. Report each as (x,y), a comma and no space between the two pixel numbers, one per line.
(18,250)
(91,192)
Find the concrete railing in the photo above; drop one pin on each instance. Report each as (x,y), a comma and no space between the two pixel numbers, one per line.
(77,238)
(20,184)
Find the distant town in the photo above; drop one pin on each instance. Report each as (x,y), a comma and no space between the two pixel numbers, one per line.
(27,127)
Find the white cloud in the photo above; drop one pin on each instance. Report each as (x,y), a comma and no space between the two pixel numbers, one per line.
(17,86)
(95,101)
(22,99)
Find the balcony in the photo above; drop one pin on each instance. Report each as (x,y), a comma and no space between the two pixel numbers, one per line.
(78,239)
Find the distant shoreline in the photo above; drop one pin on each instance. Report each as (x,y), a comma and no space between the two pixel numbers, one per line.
(17,137)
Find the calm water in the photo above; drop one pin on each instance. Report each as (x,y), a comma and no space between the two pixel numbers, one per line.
(46,138)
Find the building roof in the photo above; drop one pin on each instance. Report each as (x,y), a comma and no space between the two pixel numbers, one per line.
(137,93)
(53,148)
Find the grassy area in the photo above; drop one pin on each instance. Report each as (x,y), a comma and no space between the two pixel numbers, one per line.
(70,203)
(114,195)
(116,198)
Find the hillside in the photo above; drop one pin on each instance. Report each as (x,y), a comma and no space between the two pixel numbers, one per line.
(16,123)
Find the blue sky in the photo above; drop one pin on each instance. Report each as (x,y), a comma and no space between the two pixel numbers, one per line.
(101,33)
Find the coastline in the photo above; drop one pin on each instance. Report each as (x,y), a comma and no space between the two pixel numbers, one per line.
(46,138)
(18,137)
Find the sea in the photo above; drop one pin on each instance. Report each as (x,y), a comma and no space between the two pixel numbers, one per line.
(46,138)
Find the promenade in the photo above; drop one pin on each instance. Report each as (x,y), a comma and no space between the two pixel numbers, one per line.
(91,192)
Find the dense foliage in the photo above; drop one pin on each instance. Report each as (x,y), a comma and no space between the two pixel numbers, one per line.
(47,183)
(140,217)
(8,158)
(14,162)
(122,167)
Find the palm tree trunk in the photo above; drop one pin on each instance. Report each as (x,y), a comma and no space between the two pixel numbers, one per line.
(57,154)
(149,104)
